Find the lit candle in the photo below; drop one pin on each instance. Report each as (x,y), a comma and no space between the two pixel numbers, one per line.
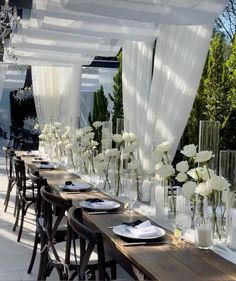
(159,200)
(180,204)
(146,191)
(204,236)
(232,239)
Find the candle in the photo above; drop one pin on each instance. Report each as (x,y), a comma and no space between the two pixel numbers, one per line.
(180,204)
(145,192)
(159,200)
(203,236)
(232,240)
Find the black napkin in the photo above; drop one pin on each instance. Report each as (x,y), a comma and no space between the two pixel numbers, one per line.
(69,183)
(94,200)
(44,162)
(133,223)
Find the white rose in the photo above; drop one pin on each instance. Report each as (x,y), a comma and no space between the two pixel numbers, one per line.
(218,183)
(42,136)
(206,173)
(165,171)
(189,150)
(133,137)
(195,173)
(90,135)
(79,133)
(117,138)
(164,146)
(65,136)
(181,177)
(126,137)
(114,152)
(97,124)
(59,144)
(85,141)
(203,189)
(188,188)
(94,143)
(68,146)
(203,156)
(182,166)
(99,157)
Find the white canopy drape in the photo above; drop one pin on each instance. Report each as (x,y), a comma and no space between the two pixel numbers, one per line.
(3,72)
(179,60)
(57,94)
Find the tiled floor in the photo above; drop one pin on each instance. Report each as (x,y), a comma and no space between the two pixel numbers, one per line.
(15,257)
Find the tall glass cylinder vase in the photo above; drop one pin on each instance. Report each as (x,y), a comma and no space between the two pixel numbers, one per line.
(122,125)
(209,133)
(106,135)
(227,169)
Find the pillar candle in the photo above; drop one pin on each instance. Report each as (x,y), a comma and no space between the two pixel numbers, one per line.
(204,236)
(159,200)
(145,192)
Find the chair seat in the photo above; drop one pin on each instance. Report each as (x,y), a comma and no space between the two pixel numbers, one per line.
(60,249)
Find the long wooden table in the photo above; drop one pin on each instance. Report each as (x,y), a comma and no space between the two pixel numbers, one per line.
(160,262)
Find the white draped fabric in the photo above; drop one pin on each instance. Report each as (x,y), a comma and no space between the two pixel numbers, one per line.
(15,77)
(136,79)
(174,12)
(57,94)
(179,60)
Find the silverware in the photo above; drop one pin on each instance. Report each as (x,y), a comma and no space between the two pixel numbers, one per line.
(105,212)
(73,192)
(144,243)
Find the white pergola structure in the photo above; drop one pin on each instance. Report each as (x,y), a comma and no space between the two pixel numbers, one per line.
(61,35)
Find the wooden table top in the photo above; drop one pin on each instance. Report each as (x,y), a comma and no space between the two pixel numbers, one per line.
(157,262)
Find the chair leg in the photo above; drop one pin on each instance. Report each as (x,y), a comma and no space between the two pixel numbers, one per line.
(43,257)
(23,212)
(36,241)
(18,207)
(7,198)
(113,271)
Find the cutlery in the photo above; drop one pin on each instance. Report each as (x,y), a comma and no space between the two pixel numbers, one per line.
(105,212)
(73,192)
(144,243)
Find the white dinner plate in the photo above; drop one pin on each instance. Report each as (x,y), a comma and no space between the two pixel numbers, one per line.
(122,230)
(77,186)
(110,206)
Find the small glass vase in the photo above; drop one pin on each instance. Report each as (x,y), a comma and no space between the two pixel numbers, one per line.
(170,199)
(203,225)
(231,239)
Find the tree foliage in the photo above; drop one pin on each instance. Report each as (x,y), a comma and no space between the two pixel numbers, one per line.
(226,23)
(100,104)
(117,97)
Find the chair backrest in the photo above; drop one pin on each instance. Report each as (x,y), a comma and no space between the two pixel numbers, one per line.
(50,199)
(37,182)
(9,154)
(89,241)
(19,166)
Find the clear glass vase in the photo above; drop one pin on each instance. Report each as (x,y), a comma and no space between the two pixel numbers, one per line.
(203,225)
(209,133)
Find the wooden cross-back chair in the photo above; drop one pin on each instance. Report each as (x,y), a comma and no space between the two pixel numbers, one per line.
(9,154)
(60,255)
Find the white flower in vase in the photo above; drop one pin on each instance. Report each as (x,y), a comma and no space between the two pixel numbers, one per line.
(129,148)
(117,138)
(126,137)
(114,152)
(203,156)
(134,165)
(182,166)
(189,150)
(203,189)
(94,144)
(164,146)
(181,177)
(188,188)
(133,137)
(165,170)
(218,183)
(195,173)
(87,129)
(97,124)
(207,173)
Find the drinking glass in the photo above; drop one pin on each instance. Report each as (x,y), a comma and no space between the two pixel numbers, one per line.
(131,194)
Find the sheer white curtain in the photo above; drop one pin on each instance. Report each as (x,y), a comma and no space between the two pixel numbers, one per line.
(136,79)
(57,93)
(179,60)
(3,72)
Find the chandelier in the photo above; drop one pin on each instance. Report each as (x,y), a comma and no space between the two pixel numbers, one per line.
(23,94)
(8,20)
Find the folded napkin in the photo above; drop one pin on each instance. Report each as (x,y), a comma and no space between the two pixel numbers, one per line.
(144,230)
(98,203)
(133,223)
(76,185)
(32,153)
(45,166)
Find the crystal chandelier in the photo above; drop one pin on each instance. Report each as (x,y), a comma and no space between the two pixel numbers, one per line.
(23,94)
(8,20)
